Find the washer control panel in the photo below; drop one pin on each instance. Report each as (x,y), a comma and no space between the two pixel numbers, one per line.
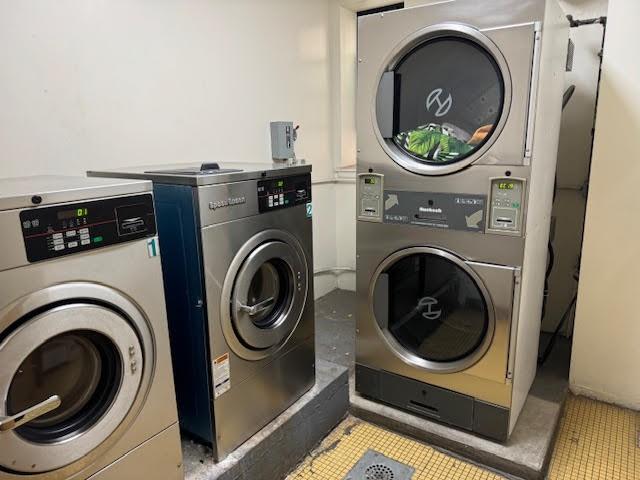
(507,197)
(278,193)
(59,230)
(370,197)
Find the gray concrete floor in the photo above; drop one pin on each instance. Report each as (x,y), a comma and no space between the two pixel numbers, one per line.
(278,448)
(525,455)
(336,328)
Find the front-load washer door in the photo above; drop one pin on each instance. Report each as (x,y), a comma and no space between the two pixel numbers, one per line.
(264,294)
(71,373)
(433,309)
(443,99)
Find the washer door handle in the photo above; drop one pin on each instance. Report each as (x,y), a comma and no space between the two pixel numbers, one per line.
(258,307)
(14,421)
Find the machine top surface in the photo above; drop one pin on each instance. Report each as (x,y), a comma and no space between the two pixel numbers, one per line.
(196,174)
(23,192)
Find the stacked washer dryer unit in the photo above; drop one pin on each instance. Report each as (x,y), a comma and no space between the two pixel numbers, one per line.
(238,268)
(86,388)
(459,108)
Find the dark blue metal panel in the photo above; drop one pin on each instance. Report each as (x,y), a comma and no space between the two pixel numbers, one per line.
(179,233)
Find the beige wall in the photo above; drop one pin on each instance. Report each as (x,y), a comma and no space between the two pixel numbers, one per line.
(606,347)
(102,84)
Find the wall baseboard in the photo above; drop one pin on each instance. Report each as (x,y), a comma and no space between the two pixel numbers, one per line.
(606,397)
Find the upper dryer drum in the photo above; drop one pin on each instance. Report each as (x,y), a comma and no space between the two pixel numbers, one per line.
(442,100)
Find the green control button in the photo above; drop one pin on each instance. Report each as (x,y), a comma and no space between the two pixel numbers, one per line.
(516,205)
(97,239)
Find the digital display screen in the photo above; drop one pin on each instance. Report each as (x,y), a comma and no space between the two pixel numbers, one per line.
(280,183)
(77,213)
(370,181)
(506,185)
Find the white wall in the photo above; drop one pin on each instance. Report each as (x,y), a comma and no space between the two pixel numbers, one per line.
(99,84)
(606,347)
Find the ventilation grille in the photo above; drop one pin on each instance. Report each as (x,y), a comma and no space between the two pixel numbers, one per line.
(570,52)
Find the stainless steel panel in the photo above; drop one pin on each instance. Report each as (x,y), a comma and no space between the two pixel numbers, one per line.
(250,171)
(18,192)
(380,240)
(381,36)
(251,404)
(229,201)
(220,244)
(261,386)
(486,379)
(121,268)
(12,250)
(158,458)
(28,456)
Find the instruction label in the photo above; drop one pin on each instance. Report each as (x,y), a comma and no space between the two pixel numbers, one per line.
(221,375)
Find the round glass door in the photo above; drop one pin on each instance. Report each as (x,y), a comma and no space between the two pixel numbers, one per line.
(434,309)
(70,375)
(268,292)
(267,288)
(82,368)
(448,96)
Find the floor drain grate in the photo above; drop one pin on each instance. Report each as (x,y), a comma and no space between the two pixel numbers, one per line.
(375,466)
(378,472)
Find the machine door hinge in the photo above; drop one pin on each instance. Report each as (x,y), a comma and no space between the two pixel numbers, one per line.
(513,331)
(533,93)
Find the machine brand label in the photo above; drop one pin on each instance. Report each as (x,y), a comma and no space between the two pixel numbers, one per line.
(429,308)
(449,211)
(441,102)
(228,202)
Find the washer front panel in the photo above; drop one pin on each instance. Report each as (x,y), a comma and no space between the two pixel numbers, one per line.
(111,308)
(22,455)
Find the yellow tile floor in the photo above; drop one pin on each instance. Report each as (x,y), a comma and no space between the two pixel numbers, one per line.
(596,441)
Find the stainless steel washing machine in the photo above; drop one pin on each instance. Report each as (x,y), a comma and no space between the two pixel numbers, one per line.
(238,265)
(86,387)
(459,107)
